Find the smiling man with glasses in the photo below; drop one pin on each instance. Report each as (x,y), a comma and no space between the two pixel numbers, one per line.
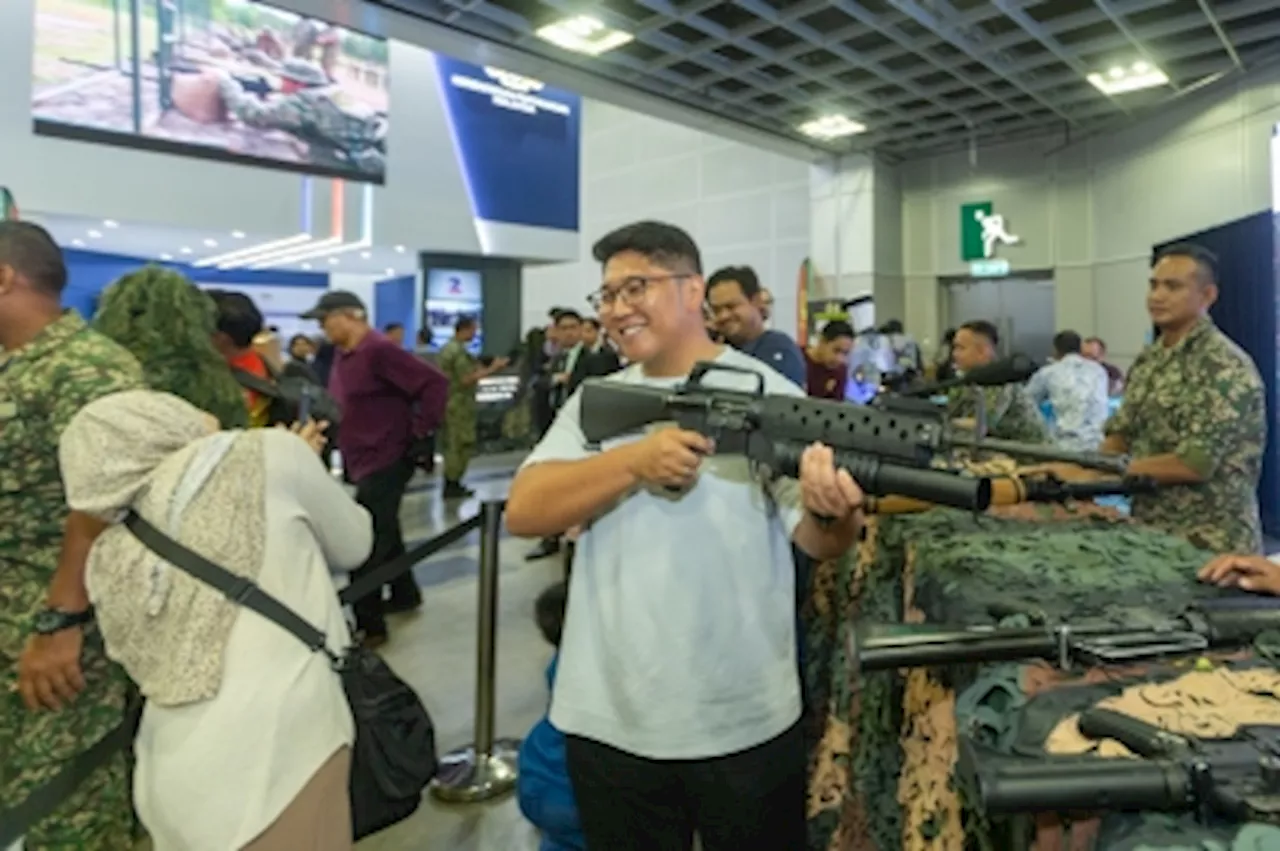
(677,685)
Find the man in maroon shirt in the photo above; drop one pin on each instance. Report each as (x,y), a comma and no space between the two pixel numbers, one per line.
(827,361)
(391,403)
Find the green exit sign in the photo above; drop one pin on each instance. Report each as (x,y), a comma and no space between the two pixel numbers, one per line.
(972,246)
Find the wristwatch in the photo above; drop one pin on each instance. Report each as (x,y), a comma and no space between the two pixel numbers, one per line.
(51,621)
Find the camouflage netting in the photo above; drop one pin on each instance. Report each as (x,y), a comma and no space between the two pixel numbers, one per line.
(884,751)
(168,324)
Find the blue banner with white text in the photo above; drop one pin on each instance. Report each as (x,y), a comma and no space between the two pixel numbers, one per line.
(518,142)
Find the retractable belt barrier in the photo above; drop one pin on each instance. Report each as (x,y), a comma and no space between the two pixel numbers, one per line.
(15,821)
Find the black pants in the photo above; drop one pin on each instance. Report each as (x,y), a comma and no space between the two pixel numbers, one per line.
(381,494)
(749,801)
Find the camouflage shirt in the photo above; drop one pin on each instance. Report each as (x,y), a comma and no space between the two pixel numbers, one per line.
(1200,399)
(1011,413)
(42,386)
(457,363)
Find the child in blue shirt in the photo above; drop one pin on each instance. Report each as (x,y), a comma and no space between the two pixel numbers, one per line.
(546,796)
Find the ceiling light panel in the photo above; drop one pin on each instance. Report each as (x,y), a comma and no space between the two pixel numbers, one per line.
(1121,79)
(830,127)
(583,34)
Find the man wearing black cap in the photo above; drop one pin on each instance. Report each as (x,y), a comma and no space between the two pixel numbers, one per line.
(391,403)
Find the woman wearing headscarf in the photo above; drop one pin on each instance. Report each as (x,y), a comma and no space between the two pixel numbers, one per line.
(245,739)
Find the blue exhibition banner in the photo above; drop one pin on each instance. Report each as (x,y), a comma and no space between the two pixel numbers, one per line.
(518,142)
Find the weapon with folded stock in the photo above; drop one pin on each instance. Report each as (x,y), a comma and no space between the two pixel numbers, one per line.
(1224,623)
(886,452)
(1237,779)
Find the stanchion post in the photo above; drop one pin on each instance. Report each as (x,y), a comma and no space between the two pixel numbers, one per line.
(485,769)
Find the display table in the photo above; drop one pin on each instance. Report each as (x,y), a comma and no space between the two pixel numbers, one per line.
(884,746)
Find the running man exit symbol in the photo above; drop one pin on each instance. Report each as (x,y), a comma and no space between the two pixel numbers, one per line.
(981,230)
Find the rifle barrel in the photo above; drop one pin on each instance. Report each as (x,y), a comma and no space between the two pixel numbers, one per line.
(1009,786)
(890,652)
(1116,464)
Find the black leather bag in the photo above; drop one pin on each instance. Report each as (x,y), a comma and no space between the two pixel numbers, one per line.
(394,757)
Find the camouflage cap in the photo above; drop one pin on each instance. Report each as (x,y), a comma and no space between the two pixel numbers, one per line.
(304,71)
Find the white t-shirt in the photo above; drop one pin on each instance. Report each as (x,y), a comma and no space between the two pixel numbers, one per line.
(214,775)
(679,641)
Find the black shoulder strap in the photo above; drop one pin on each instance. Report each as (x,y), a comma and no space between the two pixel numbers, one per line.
(238,589)
(257,383)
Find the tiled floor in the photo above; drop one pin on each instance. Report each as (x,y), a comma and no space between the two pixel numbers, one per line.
(434,649)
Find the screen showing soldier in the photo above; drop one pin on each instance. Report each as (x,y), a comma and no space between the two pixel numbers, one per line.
(226,79)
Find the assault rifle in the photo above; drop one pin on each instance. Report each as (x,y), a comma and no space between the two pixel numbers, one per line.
(1223,623)
(886,452)
(1237,779)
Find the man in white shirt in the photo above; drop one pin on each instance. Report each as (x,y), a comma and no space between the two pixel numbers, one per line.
(677,685)
(1076,388)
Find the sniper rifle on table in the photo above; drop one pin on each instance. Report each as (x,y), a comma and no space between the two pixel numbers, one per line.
(1224,623)
(1237,779)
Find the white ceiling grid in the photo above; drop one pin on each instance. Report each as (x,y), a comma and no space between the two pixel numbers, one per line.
(922,75)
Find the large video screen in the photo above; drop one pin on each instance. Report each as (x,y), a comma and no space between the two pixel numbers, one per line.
(225,79)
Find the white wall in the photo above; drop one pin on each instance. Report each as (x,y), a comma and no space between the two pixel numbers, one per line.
(743,205)
(1092,211)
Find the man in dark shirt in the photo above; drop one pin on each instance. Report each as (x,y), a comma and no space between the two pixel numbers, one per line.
(391,403)
(827,361)
(1096,350)
(737,304)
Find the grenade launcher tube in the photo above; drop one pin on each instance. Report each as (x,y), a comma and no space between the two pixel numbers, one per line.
(1011,787)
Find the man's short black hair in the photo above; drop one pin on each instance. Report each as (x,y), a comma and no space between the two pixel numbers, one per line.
(744,275)
(34,255)
(893,326)
(982,328)
(835,329)
(568,314)
(393,326)
(464,322)
(1206,261)
(1067,343)
(664,244)
(238,317)
(549,611)
(592,321)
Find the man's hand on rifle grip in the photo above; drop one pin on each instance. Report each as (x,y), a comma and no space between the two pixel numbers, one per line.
(669,457)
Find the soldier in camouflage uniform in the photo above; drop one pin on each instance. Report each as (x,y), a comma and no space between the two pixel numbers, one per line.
(1194,414)
(51,365)
(1010,412)
(306,108)
(463,372)
(167,323)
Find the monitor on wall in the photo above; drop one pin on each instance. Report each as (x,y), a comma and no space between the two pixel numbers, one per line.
(233,80)
(451,295)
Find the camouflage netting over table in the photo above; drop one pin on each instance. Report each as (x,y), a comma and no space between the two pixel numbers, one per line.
(884,749)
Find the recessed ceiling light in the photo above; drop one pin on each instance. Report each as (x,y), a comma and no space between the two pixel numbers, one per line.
(400,249)
(1136,77)
(333,260)
(95,234)
(166,257)
(583,34)
(211,243)
(306,265)
(78,243)
(184,250)
(237,234)
(365,255)
(832,127)
(391,271)
(108,223)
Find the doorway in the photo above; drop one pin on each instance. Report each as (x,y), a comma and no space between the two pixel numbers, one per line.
(1021,308)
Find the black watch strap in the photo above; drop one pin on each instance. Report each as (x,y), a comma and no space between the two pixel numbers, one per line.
(52,621)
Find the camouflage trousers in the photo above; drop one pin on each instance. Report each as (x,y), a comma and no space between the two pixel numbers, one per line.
(34,746)
(459,447)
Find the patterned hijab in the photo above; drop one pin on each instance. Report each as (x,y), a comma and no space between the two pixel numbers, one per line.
(162,457)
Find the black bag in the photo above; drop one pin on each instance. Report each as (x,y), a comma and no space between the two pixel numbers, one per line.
(394,757)
(287,393)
